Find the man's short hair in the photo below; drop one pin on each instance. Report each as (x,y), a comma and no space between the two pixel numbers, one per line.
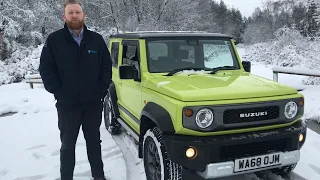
(67,2)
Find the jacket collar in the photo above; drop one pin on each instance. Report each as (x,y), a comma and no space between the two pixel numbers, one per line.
(85,38)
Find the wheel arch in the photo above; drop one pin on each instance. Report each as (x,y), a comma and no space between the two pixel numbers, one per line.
(154,115)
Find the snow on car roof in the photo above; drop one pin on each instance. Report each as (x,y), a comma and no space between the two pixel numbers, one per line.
(154,34)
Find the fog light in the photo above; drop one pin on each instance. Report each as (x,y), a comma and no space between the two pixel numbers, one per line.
(191,153)
(301,138)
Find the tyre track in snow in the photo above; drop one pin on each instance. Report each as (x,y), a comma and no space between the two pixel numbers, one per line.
(267,175)
(134,165)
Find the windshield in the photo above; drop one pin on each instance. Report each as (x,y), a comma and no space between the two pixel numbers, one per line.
(167,55)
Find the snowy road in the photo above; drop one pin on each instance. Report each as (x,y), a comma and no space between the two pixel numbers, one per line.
(30,139)
(135,168)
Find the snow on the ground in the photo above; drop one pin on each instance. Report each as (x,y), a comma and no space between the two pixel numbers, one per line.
(30,138)
(309,165)
(310,92)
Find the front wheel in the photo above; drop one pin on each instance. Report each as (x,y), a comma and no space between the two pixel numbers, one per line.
(110,121)
(157,164)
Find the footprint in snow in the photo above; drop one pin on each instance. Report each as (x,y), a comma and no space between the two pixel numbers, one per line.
(56,153)
(31,177)
(36,147)
(3,172)
(81,162)
(83,174)
(112,153)
(315,168)
(109,148)
(38,156)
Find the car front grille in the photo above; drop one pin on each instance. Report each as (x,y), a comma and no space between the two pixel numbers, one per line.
(232,116)
(230,152)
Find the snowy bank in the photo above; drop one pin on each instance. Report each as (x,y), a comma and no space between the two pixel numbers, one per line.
(23,61)
(310,92)
(289,49)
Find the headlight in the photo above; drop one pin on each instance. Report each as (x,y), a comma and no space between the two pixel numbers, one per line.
(204,118)
(291,110)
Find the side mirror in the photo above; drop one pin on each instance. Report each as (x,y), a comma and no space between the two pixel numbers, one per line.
(128,72)
(246,65)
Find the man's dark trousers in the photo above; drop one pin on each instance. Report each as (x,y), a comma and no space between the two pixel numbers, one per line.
(69,121)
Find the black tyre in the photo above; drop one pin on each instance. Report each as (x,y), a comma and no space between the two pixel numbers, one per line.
(283,170)
(111,123)
(156,160)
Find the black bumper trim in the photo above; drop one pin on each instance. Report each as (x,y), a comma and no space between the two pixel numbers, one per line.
(221,148)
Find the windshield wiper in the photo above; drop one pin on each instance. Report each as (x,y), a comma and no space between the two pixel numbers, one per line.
(182,69)
(215,70)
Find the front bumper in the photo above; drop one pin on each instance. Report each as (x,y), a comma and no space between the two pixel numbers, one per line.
(224,169)
(216,155)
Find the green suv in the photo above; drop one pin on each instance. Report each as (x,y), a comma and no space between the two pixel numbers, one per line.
(192,105)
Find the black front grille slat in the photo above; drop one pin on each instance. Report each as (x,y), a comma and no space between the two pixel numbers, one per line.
(232,116)
(230,152)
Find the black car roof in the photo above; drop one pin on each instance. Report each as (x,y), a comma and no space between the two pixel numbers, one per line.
(157,34)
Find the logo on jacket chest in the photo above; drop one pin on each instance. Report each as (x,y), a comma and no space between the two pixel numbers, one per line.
(92,51)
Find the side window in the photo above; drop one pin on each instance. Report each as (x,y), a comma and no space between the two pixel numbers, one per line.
(115,54)
(130,56)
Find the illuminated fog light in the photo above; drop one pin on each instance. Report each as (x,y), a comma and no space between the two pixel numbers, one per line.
(301,138)
(204,118)
(291,110)
(191,153)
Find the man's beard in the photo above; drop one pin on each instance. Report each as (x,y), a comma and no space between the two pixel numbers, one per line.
(75,25)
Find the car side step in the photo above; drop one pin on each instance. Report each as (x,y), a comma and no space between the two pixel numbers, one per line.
(131,131)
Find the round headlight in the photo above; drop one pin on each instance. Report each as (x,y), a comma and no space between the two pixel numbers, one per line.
(291,110)
(204,118)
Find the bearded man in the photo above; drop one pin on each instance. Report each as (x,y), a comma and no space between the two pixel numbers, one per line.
(75,66)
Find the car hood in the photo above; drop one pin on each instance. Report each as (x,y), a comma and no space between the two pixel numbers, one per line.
(221,86)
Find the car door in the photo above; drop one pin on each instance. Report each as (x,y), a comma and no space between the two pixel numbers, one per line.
(129,98)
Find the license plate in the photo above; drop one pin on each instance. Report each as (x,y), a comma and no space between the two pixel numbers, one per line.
(246,164)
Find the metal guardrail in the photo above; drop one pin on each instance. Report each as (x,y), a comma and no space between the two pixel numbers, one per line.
(33,79)
(36,78)
(295,71)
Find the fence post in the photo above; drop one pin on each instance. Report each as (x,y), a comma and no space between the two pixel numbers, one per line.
(275,76)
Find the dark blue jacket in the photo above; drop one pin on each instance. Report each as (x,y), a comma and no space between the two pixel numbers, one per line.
(76,75)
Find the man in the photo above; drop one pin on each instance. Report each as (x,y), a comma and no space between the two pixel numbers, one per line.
(75,66)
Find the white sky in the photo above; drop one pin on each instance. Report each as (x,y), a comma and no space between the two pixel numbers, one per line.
(246,7)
